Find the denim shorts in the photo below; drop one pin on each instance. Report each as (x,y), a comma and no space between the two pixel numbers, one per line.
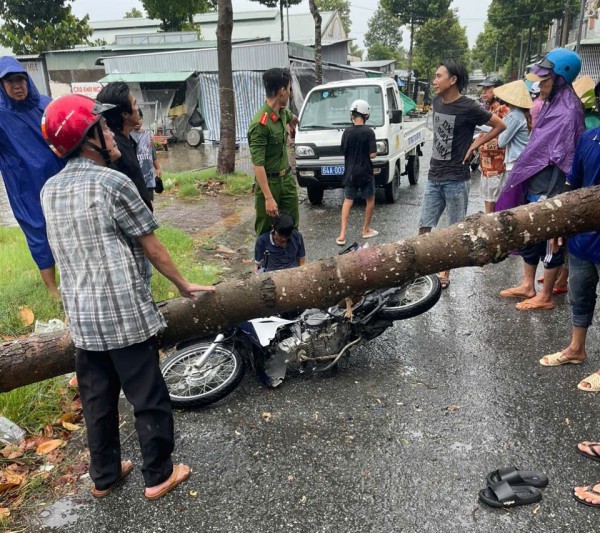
(367,190)
(583,282)
(452,196)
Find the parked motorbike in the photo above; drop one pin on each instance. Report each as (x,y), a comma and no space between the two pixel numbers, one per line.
(201,372)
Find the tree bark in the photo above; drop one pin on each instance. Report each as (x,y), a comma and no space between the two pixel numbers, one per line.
(314,10)
(226,155)
(478,240)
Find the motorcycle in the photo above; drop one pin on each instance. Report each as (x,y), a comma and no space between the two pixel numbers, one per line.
(200,372)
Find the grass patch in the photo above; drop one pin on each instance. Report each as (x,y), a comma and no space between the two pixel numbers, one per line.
(21,286)
(191,184)
(33,406)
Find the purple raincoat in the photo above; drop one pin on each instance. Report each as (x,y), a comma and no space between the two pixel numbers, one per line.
(552,142)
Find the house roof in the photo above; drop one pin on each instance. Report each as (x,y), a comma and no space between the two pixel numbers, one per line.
(147,77)
(373,64)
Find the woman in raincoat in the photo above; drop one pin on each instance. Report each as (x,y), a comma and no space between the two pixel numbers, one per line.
(26,161)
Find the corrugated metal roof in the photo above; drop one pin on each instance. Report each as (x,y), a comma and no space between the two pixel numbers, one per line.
(147,77)
(258,57)
(373,64)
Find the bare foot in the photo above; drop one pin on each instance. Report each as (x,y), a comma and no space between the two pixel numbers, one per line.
(589,494)
(518,292)
(535,303)
(180,473)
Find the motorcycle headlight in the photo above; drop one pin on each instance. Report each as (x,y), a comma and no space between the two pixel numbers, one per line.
(304,151)
(382,148)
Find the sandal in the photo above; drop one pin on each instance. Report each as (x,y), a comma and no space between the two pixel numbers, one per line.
(594,456)
(589,488)
(171,483)
(557,359)
(126,468)
(514,476)
(340,242)
(593,380)
(504,495)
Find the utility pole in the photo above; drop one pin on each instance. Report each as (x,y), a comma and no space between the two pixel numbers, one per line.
(565,28)
(496,58)
(579,27)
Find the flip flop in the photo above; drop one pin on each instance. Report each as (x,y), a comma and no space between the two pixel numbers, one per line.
(593,380)
(560,290)
(372,233)
(172,482)
(513,293)
(594,456)
(340,242)
(589,488)
(557,359)
(126,468)
(528,305)
(503,495)
(515,476)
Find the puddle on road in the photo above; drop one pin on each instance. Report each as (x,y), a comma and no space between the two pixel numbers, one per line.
(61,513)
(178,158)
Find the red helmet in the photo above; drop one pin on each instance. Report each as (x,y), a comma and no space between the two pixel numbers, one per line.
(67,121)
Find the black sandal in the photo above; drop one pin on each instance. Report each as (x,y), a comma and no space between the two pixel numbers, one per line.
(514,476)
(503,495)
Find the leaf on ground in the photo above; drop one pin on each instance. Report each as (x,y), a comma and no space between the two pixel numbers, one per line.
(76,405)
(49,446)
(70,427)
(9,480)
(4,512)
(7,338)
(452,408)
(26,315)
(71,418)
(266,416)
(31,443)
(12,452)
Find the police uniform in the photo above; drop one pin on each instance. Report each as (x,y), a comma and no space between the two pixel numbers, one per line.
(267,138)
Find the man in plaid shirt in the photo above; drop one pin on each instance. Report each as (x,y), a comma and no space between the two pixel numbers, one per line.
(100,230)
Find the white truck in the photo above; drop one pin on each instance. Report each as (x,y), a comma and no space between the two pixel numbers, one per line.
(323,118)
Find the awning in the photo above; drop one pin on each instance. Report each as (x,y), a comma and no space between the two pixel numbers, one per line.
(147,77)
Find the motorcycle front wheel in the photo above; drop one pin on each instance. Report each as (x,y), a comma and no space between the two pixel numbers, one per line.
(191,387)
(411,299)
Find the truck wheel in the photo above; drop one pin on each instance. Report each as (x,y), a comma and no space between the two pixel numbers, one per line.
(315,194)
(392,189)
(412,168)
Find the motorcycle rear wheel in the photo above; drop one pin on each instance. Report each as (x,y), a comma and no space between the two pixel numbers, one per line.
(411,299)
(217,378)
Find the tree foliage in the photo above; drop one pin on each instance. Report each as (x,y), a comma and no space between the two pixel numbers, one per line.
(176,15)
(430,49)
(135,13)
(416,12)
(35,26)
(384,28)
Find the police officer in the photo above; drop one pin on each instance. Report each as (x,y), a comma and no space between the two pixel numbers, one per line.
(267,137)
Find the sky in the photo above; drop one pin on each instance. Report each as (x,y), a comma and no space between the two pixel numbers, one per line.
(472,13)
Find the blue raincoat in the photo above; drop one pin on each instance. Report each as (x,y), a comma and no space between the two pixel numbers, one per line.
(552,143)
(26,162)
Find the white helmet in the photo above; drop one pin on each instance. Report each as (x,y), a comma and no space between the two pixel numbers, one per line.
(360,106)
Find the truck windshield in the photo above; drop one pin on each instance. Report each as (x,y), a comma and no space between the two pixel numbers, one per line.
(330,108)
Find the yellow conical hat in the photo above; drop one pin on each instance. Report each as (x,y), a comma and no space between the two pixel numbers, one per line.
(584,87)
(514,93)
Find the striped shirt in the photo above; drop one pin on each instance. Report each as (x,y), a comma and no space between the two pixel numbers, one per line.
(94,216)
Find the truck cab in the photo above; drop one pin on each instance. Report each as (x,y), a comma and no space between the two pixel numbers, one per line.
(324,117)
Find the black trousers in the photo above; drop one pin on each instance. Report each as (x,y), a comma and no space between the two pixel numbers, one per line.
(100,376)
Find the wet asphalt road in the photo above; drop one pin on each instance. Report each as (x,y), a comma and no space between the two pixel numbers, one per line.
(400,440)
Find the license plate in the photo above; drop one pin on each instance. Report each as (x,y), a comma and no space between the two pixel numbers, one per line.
(333,171)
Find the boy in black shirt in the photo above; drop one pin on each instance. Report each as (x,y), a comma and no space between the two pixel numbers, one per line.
(359,147)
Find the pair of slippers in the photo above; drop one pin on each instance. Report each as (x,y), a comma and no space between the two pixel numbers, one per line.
(511,487)
(372,233)
(179,475)
(594,456)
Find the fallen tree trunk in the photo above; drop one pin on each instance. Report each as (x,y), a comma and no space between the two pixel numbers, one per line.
(478,240)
